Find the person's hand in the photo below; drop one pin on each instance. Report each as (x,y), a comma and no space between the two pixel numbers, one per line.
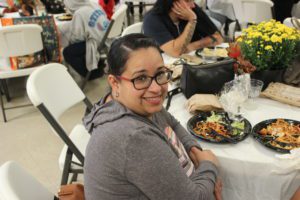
(218,189)
(197,156)
(183,11)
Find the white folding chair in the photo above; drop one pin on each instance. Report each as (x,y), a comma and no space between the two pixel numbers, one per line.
(18,184)
(296,10)
(53,91)
(201,4)
(117,20)
(292,22)
(133,28)
(17,40)
(288,22)
(256,11)
(252,12)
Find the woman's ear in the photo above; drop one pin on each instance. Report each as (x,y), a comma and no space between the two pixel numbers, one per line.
(113,82)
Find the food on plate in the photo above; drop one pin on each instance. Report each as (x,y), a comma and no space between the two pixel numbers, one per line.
(216,52)
(219,124)
(191,60)
(65,17)
(282,134)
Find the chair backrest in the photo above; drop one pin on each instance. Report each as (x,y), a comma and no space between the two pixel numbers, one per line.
(288,22)
(256,11)
(201,3)
(19,40)
(134,28)
(118,18)
(296,10)
(292,22)
(52,86)
(17,184)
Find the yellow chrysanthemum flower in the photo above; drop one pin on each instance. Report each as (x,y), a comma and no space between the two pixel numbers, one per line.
(275,38)
(263,44)
(268,47)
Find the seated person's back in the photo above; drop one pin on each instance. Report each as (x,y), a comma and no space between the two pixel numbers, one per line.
(87,29)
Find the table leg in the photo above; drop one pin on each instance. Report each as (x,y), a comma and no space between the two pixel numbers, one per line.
(5,90)
(2,107)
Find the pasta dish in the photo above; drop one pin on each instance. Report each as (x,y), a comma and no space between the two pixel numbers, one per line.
(282,134)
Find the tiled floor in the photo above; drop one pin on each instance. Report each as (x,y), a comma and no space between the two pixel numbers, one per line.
(28,139)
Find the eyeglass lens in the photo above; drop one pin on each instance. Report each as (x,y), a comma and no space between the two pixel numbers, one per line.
(144,81)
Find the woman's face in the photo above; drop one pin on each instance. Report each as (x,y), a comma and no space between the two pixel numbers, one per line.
(141,63)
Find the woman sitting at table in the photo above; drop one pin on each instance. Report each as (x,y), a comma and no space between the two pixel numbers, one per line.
(137,149)
(84,35)
(180,26)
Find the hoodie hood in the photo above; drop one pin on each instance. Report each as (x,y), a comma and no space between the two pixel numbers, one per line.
(73,5)
(105,112)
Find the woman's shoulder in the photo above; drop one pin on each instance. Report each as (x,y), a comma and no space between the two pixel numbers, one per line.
(152,15)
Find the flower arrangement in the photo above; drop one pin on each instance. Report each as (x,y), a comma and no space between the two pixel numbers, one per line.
(269,45)
(241,65)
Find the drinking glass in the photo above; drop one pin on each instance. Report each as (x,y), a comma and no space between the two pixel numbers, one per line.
(255,89)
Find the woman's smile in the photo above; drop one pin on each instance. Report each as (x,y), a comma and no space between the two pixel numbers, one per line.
(156,100)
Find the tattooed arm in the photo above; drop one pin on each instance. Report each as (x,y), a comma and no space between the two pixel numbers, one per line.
(179,45)
(211,40)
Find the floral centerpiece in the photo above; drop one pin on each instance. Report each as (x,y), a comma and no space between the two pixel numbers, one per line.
(269,45)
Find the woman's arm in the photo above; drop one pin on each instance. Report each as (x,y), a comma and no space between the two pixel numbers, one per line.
(153,167)
(211,40)
(180,44)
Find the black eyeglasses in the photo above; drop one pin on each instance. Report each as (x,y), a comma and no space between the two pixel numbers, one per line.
(144,81)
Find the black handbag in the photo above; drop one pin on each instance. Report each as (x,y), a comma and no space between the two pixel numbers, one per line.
(206,78)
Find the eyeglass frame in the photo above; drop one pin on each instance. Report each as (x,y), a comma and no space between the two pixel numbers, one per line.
(152,77)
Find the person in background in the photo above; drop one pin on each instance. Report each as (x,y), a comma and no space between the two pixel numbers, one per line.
(180,26)
(137,149)
(54,6)
(108,6)
(84,35)
(27,8)
(283,9)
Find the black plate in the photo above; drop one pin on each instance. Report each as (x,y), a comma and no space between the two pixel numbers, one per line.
(202,117)
(265,141)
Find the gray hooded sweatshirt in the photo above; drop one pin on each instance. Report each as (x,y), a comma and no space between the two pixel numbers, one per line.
(132,157)
(89,24)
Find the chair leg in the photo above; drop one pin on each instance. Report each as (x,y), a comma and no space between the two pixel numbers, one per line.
(67,166)
(86,78)
(2,108)
(74,177)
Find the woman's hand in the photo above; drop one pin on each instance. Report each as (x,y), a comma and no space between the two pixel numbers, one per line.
(218,189)
(197,156)
(183,11)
